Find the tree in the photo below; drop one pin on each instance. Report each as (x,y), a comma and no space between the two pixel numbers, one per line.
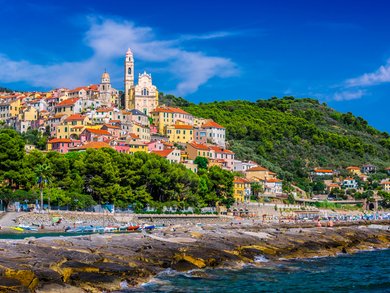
(202,162)
(43,172)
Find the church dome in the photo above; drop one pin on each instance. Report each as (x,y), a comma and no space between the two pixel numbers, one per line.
(105,75)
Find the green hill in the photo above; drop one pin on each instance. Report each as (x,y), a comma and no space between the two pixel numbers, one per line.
(291,136)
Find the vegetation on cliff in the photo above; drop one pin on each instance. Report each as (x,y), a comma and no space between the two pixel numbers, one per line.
(291,136)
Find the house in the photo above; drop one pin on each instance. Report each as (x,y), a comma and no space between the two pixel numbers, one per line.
(349,183)
(259,172)
(197,150)
(103,115)
(164,116)
(273,186)
(139,117)
(61,145)
(331,186)
(72,126)
(240,166)
(9,107)
(200,135)
(189,164)
(354,170)
(115,131)
(215,133)
(219,153)
(137,146)
(180,133)
(386,185)
(172,155)
(368,169)
(241,189)
(69,106)
(91,134)
(155,145)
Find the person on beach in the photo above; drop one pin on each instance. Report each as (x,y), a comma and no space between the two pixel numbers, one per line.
(319,223)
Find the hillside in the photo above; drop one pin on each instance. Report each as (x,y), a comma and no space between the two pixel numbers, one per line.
(291,136)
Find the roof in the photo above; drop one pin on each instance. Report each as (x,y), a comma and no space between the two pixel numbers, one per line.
(353,168)
(182,126)
(111,126)
(323,170)
(98,131)
(104,109)
(388,168)
(67,102)
(64,140)
(94,145)
(212,124)
(220,150)
(199,146)
(133,135)
(273,180)
(333,185)
(137,112)
(75,117)
(385,182)
(170,110)
(240,180)
(257,168)
(163,153)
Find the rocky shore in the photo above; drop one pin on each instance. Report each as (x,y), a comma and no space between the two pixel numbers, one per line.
(110,262)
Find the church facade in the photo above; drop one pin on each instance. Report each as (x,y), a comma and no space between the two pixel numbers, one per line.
(144,95)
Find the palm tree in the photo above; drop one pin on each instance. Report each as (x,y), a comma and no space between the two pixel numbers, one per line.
(43,172)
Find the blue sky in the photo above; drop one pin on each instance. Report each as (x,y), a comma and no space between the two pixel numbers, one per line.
(336,51)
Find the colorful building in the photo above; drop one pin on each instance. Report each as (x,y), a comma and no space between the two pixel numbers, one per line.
(180,133)
(241,189)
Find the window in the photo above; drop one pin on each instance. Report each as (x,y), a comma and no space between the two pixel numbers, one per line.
(129,69)
(145,92)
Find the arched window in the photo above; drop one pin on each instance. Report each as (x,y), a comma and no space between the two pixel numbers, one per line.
(129,70)
(145,92)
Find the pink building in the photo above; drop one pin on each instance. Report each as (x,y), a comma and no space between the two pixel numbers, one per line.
(62,145)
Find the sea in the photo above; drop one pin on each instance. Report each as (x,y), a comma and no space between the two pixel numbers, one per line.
(367,271)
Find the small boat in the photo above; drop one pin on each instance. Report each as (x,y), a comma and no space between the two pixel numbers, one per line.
(148,227)
(28,228)
(17,229)
(111,229)
(132,227)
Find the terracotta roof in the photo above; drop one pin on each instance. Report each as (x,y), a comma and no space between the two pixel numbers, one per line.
(388,168)
(333,185)
(133,135)
(170,110)
(163,153)
(353,168)
(273,180)
(98,131)
(67,102)
(75,117)
(64,140)
(182,126)
(323,171)
(104,109)
(111,126)
(114,121)
(220,150)
(77,89)
(94,145)
(240,180)
(212,124)
(199,146)
(385,183)
(257,168)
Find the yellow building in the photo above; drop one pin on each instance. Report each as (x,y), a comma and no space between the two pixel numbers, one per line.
(180,133)
(137,146)
(166,116)
(72,126)
(386,185)
(241,189)
(353,170)
(29,114)
(9,107)
(142,131)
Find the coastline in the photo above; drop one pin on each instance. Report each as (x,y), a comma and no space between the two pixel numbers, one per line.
(111,261)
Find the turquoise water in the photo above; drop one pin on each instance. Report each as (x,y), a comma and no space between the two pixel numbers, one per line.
(361,272)
(22,235)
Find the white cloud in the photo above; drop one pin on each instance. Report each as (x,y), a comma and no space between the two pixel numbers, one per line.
(109,39)
(382,75)
(348,95)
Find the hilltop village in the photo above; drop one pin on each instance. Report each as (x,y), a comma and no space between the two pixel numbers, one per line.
(100,116)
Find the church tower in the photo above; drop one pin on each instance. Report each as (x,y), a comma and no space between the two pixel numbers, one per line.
(105,90)
(129,77)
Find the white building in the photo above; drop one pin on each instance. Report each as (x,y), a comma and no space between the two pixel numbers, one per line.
(215,133)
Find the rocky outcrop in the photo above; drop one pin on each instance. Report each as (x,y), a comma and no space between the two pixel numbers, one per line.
(115,261)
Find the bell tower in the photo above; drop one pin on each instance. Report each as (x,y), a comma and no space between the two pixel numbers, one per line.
(129,76)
